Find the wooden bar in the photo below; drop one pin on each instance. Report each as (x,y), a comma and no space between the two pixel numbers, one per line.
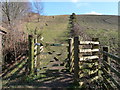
(88,42)
(88,50)
(56,44)
(111,56)
(76,59)
(88,58)
(112,69)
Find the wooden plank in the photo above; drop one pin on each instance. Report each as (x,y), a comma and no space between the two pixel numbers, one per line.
(88,50)
(112,56)
(88,42)
(56,44)
(112,69)
(88,58)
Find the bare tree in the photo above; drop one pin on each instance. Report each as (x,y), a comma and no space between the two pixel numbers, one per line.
(37,7)
(13,10)
(12,13)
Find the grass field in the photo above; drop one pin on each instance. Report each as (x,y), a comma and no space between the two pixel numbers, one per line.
(54,28)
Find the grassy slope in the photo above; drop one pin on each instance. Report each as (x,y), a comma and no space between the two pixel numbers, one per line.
(104,27)
(54,28)
(57,25)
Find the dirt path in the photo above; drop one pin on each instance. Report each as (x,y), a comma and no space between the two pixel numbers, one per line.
(55,77)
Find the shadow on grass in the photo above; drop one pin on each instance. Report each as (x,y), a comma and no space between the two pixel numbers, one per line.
(13,67)
(52,79)
(16,74)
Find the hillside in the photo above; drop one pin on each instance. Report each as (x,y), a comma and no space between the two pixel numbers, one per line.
(55,28)
(106,22)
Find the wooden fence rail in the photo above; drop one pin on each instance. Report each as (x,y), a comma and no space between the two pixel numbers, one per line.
(109,80)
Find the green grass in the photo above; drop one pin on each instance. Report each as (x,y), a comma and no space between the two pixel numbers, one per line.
(54,31)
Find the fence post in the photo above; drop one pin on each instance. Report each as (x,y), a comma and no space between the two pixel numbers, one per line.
(105,58)
(70,48)
(76,59)
(31,54)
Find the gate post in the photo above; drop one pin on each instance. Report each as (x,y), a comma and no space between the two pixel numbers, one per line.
(31,55)
(76,59)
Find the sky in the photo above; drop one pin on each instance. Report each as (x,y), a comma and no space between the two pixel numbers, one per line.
(67,8)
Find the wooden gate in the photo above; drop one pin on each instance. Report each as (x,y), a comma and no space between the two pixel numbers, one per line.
(36,46)
(83,60)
